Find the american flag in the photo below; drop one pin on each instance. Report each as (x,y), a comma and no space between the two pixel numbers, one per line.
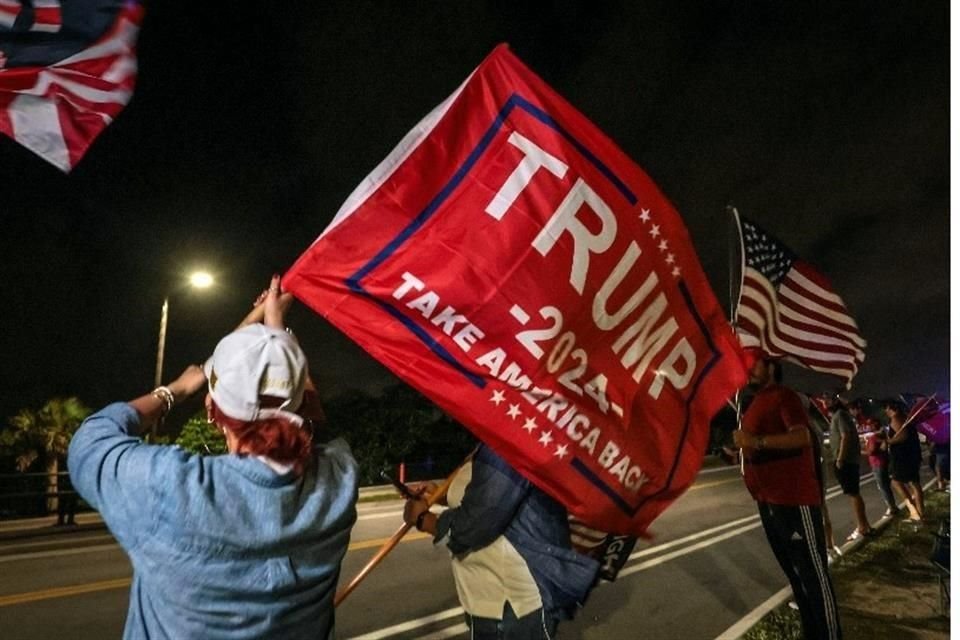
(789,310)
(59,88)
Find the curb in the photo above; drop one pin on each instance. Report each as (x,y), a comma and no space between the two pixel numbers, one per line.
(740,629)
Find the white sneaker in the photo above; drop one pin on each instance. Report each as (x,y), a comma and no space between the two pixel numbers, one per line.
(890,512)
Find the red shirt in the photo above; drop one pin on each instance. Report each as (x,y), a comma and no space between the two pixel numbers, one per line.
(876,453)
(779,476)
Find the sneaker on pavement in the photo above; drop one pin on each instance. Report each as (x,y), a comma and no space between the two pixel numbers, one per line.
(858,535)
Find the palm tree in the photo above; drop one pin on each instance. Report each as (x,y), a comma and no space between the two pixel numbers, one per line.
(44,435)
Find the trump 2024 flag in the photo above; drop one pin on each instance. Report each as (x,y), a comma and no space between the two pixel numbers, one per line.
(512,264)
(67,69)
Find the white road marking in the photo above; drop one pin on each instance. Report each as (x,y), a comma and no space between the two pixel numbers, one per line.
(723,532)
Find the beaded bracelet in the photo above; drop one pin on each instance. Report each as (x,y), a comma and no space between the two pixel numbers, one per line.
(165,396)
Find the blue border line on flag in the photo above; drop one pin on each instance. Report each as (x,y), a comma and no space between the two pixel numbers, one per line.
(515,100)
(353,282)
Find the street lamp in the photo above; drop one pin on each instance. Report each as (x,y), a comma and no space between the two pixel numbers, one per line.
(197,280)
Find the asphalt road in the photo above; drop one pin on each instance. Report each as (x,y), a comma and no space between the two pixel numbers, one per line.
(707,568)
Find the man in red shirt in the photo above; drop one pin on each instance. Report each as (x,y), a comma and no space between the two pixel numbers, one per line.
(781,474)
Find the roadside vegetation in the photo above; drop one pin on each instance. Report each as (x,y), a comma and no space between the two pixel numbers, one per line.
(886,588)
(398,426)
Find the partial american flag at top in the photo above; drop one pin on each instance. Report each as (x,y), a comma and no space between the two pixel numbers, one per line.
(67,68)
(789,310)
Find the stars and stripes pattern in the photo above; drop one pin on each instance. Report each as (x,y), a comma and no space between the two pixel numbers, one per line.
(58,110)
(789,310)
(9,12)
(47,16)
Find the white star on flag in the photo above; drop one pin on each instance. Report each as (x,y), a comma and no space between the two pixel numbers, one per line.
(655,230)
(645,215)
(662,246)
(676,272)
(669,258)
(529,425)
(513,411)
(561,451)
(545,438)
(497,397)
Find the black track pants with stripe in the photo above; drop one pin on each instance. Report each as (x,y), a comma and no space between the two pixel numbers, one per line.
(796,537)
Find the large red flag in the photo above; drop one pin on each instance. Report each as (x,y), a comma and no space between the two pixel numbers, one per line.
(511,263)
(65,72)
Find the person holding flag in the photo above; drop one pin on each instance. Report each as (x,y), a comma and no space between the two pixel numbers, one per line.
(516,573)
(239,546)
(781,473)
(905,458)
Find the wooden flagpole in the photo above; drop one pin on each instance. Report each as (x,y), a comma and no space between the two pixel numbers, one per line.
(395,539)
(733,244)
(913,415)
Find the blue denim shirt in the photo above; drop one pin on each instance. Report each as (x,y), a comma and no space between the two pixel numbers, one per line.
(499,501)
(221,547)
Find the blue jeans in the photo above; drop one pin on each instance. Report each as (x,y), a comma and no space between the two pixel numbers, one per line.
(533,626)
(882,477)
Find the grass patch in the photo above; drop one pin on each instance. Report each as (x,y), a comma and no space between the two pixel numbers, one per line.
(886,588)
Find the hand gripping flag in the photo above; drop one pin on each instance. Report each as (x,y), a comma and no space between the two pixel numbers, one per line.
(512,264)
(789,310)
(65,72)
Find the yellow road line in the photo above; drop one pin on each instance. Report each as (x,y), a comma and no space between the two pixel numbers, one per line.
(122,583)
(366,544)
(63,592)
(713,484)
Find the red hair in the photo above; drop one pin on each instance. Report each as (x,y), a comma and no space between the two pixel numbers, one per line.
(276,438)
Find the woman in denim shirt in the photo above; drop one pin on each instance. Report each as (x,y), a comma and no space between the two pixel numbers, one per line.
(516,573)
(244,545)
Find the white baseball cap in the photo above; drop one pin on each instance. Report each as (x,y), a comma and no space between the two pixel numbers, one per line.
(256,361)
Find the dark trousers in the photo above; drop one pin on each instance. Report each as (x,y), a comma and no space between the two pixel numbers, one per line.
(796,537)
(533,626)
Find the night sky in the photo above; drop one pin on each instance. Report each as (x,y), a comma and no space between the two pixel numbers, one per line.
(826,123)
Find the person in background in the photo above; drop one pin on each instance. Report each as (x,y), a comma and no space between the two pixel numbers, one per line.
(237,546)
(823,455)
(516,573)
(879,459)
(941,464)
(845,441)
(780,471)
(905,458)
